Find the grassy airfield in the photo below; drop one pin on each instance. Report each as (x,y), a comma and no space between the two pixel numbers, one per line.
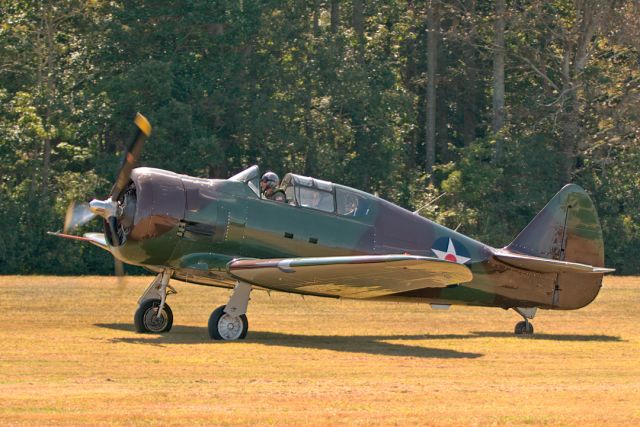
(68,355)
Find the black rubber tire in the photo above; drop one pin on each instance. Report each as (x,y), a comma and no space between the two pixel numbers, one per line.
(215,318)
(145,310)
(524,328)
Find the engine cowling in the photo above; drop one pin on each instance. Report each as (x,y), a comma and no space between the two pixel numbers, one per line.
(158,200)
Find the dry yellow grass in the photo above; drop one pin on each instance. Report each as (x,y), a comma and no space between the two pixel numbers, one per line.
(68,355)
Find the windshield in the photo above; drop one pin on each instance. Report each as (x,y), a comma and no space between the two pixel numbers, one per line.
(251,177)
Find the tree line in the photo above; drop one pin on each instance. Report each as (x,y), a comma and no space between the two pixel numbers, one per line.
(480,110)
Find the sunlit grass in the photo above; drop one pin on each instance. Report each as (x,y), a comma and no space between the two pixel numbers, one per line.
(69,355)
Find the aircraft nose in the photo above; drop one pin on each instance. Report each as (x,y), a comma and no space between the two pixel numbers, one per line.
(160,203)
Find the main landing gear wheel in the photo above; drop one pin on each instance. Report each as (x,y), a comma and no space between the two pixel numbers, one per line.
(227,327)
(524,328)
(146,318)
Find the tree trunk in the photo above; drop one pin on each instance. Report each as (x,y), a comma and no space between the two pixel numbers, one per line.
(590,15)
(310,158)
(442,132)
(432,64)
(470,101)
(358,27)
(569,117)
(497,122)
(335,16)
(316,17)
(49,89)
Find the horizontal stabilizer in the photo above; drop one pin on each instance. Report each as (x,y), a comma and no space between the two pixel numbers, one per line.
(544,265)
(350,276)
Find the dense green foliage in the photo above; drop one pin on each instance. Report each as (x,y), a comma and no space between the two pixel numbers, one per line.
(331,89)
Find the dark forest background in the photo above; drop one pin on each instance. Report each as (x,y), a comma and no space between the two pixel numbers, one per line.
(498,104)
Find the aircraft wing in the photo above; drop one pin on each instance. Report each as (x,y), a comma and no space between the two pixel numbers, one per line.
(350,276)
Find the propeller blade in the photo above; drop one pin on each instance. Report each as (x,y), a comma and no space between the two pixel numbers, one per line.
(132,155)
(77,214)
(118,267)
(112,221)
(120,275)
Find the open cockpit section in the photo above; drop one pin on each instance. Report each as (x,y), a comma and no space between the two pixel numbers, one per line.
(312,193)
(308,192)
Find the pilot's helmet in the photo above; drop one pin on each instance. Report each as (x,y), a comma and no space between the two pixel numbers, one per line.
(269,180)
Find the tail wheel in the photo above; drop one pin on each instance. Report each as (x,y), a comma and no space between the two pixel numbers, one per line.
(146,319)
(227,327)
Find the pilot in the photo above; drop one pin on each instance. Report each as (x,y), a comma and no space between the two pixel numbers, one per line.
(269,187)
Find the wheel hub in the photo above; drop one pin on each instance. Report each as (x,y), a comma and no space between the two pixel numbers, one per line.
(229,327)
(153,322)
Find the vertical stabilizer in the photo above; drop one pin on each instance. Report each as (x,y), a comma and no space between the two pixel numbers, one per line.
(567,229)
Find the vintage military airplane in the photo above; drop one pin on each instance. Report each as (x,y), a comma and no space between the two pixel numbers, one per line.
(333,241)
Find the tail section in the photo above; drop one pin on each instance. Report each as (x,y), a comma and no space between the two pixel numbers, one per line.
(565,238)
(567,229)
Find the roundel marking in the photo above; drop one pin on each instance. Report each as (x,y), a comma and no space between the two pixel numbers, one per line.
(450,250)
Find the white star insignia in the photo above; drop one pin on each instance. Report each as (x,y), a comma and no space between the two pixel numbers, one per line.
(450,254)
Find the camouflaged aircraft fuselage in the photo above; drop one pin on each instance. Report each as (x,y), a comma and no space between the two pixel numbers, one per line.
(197,226)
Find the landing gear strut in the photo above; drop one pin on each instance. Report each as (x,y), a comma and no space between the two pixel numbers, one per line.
(525,327)
(229,322)
(153,314)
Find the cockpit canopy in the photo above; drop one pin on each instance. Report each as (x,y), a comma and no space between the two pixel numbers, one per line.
(313,193)
(308,192)
(325,196)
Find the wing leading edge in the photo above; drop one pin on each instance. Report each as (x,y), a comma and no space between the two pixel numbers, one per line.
(350,276)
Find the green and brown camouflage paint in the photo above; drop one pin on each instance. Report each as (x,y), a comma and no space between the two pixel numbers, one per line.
(197,226)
